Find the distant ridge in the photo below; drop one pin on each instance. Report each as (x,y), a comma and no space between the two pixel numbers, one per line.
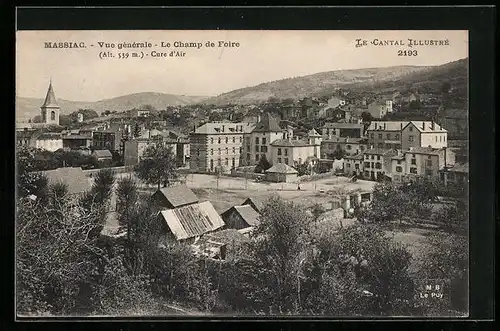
(27,108)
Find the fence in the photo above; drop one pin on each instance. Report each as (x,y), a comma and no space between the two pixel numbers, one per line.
(116,170)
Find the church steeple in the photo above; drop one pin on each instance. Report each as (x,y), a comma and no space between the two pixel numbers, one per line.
(50,98)
(50,109)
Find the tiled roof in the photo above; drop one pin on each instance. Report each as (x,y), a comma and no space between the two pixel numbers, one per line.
(281,168)
(313,133)
(345,140)
(76,136)
(50,98)
(267,124)
(101,153)
(387,125)
(377,151)
(74,178)
(178,196)
(49,135)
(423,150)
(354,157)
(288,143)
(249,214)
(343,126)
(192,220)
(464,168)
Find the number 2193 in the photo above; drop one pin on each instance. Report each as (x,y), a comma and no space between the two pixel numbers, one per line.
(408,53)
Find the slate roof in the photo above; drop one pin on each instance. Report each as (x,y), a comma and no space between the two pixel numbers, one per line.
(229,128)
(426,126)
(313,133)
(50,98)
(377,151)
(74,178)
(281,168)
(387,125)
(178,196)
(345,140)
(267,124)
(192,220)
(423,150)
(354,157)
(102,153)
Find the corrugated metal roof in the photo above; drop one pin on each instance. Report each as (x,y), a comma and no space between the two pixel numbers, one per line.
(178,196)
(192,220)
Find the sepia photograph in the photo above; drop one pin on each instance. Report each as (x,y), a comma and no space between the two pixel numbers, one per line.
(258,173)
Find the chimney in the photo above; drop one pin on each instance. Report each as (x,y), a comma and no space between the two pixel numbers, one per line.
(432,125)
(384,126)
(223,128)
(423,125)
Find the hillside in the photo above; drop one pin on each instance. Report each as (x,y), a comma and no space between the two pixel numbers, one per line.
(27,108)
(427,80)
(318,84)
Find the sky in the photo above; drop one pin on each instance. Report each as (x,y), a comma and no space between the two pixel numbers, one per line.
(79,74)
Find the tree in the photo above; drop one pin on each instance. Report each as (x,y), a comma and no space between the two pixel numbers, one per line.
(366,117)
(303,169)
(263,164)
(445,87)
(280,243)
(103,185)
(447,259)
(158,165)
(317,210)
(362,271)
(127,197)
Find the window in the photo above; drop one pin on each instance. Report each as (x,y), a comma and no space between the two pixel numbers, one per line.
(378,157)
(227,150)
(356,166)
(234,150)
(279,160)
(286,151)
(413,170)
(263,149)
(241,150)
(411,128)
(227,161)
(378,165)
(212,164)
(379,136)
(241,139)
(373,157)
(388,136)
(233,162)
(286,160)
(279,151)
(256,157)
(371,165)
(227,140)
(234,140)
(367,164)
(263,141)
(53,115)
(399,169)
(211,140)
(413,161)
(348,147)
(256,148)
(256,140)
(219,162)
(410,139)
(219,140)
(348,165)
(211,151)
(436,138)
(397,136)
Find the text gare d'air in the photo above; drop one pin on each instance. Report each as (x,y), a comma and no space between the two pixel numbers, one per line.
(141,50)
(406,47)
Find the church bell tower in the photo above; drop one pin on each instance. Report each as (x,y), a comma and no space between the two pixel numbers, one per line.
(50,109)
